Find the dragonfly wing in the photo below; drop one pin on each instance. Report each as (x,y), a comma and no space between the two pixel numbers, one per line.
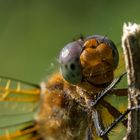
(19,102)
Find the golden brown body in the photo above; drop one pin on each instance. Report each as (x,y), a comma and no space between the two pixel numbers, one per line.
(60,117)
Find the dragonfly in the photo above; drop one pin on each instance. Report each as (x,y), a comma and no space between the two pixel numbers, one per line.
(79,102)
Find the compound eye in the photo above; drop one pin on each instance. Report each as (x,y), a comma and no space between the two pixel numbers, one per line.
(70,65)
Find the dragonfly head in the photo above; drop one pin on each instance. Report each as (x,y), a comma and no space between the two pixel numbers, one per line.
(91,60)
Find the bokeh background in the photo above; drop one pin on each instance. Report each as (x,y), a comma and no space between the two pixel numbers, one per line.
(32,32)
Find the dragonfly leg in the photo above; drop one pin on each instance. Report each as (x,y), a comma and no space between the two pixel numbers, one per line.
(106,90)
(90,131)
(98,124)
(97,121)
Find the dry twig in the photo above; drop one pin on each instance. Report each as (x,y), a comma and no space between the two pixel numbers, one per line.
(131,48)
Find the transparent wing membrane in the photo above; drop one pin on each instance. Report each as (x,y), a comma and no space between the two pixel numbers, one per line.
(29,133)
(11,90)
(19,103)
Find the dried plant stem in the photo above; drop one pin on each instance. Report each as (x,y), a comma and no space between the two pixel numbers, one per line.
(131,48)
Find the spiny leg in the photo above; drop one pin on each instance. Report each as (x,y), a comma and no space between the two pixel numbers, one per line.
(90,129)
(106,91)
(97,121)
(98,125)
(113,111)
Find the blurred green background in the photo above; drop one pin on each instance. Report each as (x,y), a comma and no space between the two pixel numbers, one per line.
(32,32)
